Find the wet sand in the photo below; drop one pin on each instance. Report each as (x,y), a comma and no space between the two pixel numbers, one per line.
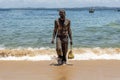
(47,70)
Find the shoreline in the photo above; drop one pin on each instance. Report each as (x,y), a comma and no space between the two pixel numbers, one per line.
(49,51)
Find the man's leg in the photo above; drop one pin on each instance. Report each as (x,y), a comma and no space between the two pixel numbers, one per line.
(59,50)
(64,50)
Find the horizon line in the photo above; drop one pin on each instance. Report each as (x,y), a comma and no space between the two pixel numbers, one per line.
(56,7)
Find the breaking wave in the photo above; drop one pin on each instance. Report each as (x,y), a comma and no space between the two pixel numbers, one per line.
(37,54)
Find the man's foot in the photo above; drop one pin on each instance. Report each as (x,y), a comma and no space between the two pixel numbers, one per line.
(60,62)
(64,62)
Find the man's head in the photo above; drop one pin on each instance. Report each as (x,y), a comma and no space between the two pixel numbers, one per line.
(62,13)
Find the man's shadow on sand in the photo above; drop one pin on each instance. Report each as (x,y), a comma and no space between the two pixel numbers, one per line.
(55,64)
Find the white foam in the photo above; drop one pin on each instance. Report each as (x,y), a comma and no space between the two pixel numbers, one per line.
(85,56)
(35,58)
(41,48)
(92,56)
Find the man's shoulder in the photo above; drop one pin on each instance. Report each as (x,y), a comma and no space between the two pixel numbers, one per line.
(67,19)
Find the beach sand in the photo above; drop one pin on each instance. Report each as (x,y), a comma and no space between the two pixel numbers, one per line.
(47,70)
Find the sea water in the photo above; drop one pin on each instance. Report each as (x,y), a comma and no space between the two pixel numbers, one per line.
(33,29)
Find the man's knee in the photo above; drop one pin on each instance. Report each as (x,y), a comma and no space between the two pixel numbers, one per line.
(58,49)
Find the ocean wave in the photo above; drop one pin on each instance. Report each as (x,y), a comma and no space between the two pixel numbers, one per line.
(114,24)
(36,54)
(85,56)
(2,47)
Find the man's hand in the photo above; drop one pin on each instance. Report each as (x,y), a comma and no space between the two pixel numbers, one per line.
(71,42)
(52,41)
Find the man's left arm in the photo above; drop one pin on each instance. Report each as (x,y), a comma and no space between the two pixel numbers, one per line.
(70,32)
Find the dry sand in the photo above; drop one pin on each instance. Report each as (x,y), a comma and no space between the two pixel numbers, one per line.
(44,70)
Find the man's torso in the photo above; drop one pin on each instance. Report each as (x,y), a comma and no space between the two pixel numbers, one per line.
(62,27)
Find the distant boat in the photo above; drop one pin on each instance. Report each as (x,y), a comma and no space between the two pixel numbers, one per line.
(91,10)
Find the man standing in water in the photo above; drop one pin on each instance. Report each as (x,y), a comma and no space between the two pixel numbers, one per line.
(62,32)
